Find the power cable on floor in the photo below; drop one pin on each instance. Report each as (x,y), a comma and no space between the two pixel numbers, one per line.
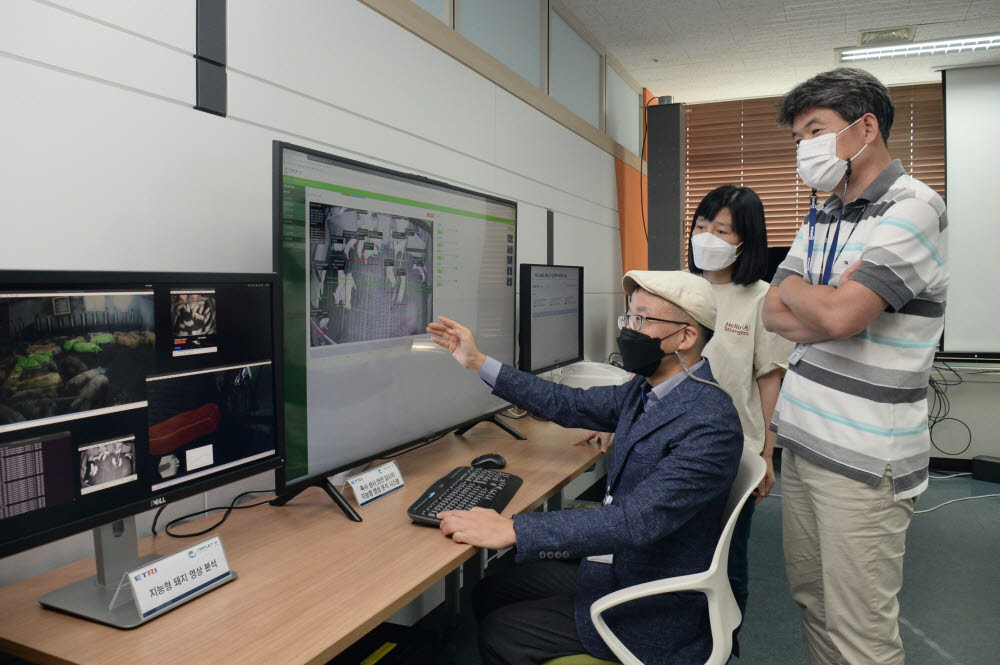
(964,498)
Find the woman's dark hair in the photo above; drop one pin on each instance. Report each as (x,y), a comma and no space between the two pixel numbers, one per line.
(748,223)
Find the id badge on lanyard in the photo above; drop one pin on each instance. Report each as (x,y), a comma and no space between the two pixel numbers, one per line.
(824,278)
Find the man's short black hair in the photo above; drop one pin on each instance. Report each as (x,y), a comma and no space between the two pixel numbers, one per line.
(848,91)
(748,223)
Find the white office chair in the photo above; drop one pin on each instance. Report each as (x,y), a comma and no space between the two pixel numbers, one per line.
(723,612)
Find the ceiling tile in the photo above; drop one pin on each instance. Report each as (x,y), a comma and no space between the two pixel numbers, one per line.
(725,49)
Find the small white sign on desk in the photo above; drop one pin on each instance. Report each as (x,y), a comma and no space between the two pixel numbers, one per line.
(179,577)
(376,483)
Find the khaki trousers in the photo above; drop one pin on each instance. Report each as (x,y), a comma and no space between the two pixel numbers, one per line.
(844,543)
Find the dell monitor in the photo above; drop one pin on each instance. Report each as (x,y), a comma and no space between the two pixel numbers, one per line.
(120,392)
(551,317)
(367,258)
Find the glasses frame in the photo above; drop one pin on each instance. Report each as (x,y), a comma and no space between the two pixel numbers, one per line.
(624,319)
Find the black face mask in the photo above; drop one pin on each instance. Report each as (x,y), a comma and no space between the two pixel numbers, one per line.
(641,353)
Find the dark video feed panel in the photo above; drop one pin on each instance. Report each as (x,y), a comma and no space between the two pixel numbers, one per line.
(36,473)
(66,355)
(206,421)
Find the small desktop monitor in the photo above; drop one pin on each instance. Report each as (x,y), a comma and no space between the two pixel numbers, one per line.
(120,392)
(367,258)
(551,316)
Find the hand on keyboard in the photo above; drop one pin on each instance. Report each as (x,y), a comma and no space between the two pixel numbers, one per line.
(479,527)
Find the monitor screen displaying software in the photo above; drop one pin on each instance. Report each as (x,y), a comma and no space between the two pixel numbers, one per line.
(551,316)
(369,257)
(100,416)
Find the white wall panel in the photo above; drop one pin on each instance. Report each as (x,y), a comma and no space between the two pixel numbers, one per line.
(538,147)
(126,181)
(513,185)
(343,53)
(172,22)
(351,135)
(597,248)
(974,403)
(532,234)
(600,332)
(46,34)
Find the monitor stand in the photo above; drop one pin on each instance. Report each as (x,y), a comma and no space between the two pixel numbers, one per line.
(496,421)
(327,487)
(117,552)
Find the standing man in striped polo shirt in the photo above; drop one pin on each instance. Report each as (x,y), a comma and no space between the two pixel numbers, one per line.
(862,292)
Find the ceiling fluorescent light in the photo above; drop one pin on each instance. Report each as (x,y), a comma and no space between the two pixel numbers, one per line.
(959,45)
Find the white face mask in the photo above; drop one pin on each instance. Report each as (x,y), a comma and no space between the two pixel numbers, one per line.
(817,161)
(712,252)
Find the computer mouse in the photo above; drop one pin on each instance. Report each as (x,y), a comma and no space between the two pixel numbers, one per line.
(489,461)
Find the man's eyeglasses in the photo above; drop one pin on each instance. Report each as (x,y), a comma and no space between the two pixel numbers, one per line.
(635,321)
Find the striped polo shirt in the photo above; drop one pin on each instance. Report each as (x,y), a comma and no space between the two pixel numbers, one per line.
(858,406)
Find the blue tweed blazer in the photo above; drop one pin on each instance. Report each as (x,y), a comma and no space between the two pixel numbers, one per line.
(669,477)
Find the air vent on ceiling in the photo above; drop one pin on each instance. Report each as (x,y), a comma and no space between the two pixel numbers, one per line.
(887,36)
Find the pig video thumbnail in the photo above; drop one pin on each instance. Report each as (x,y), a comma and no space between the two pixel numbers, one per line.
(72,353)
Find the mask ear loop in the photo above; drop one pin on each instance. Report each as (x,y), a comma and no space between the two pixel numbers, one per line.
(851,159)
(695,378)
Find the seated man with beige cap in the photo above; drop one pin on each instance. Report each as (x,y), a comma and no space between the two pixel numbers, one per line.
(677,449)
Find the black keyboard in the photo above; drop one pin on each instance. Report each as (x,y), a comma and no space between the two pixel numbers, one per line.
(464,488)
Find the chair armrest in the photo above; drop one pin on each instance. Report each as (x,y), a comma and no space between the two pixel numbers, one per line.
(693,582)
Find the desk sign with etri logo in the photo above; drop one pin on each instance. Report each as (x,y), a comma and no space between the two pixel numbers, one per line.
(180,577)
(376,483)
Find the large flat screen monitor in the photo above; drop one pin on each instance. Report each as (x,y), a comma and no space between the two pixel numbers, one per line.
(368,257)
(551,320)
(122,391)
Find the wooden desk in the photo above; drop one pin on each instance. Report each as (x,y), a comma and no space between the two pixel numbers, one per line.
(311,582)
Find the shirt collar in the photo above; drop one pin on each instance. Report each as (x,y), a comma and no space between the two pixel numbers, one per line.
(657,394)
(875,190)
(882,182)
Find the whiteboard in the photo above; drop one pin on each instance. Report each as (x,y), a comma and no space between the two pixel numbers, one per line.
(972,138)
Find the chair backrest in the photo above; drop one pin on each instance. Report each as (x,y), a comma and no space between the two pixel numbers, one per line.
(751,472)
(724,614)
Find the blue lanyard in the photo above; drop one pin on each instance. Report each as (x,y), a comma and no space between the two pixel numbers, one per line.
(831,254)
